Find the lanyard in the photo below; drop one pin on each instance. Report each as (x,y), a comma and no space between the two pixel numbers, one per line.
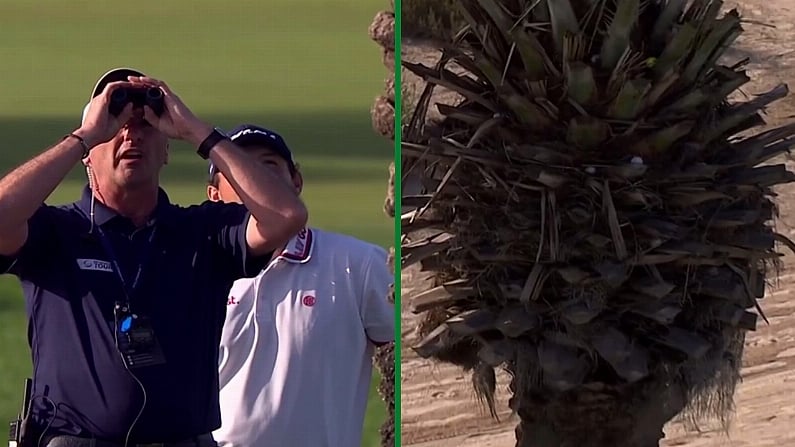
(128,291)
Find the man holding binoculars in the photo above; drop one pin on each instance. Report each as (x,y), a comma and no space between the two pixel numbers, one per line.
(126,292)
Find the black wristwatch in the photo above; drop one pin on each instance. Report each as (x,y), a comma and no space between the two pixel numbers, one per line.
(214,138)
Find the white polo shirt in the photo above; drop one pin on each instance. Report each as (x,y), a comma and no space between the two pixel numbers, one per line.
(296,352)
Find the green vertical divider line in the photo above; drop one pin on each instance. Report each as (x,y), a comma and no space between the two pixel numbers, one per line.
(398,213)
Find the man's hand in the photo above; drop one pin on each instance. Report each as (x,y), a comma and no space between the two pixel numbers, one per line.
(177,121)
(99,125)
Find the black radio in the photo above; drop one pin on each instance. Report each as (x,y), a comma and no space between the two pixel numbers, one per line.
(20,433)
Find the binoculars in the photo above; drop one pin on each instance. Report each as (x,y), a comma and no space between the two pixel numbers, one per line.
(152,97)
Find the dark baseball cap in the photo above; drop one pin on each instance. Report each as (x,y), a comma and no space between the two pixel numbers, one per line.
(250,135)
(115,75)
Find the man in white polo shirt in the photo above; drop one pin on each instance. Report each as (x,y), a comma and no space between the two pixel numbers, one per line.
(296,350)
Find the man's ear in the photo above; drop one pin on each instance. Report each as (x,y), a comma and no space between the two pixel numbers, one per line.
(213,193)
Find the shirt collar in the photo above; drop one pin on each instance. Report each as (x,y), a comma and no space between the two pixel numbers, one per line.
(299,249)
(103,214)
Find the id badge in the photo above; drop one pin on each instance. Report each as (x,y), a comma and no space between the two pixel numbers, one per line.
(137,342)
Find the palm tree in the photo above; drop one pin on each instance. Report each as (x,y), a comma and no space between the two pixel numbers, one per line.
(382,31)
(595,213)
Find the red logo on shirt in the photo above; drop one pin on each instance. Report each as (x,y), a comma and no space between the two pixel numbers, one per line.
(232,301)
(309,301)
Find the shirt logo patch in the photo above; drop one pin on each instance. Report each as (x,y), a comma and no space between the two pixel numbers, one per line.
(232,300)
(308,300)
(95,265)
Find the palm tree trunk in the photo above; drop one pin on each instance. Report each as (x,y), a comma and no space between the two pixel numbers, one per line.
(385,361)
(382,113)
(630,416)
(382,31)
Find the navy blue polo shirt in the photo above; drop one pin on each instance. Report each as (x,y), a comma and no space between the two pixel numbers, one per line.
(70,290)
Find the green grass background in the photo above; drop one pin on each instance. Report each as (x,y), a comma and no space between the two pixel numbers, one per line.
(304,67)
